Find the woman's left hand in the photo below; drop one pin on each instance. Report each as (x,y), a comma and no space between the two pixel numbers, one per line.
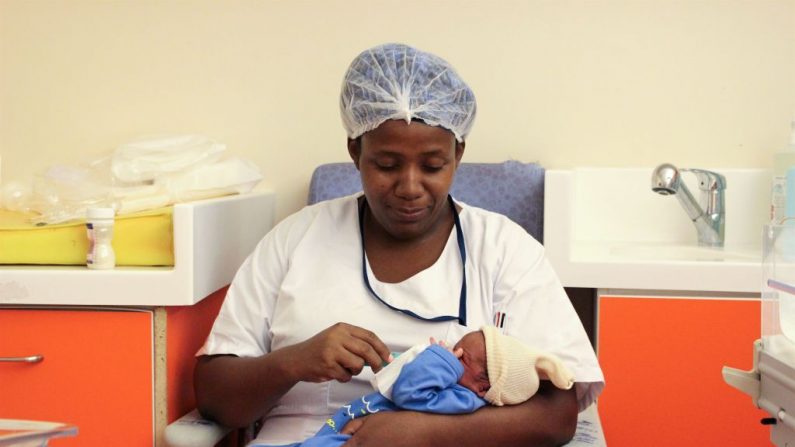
(395,429)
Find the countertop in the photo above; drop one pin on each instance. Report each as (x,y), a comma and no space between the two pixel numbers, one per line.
(212,238)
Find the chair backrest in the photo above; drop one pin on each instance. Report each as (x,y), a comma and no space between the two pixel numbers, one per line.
(511,188)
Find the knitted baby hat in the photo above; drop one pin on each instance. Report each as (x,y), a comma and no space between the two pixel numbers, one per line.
(514,369)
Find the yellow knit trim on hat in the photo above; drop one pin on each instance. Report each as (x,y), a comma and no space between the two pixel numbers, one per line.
(514,369)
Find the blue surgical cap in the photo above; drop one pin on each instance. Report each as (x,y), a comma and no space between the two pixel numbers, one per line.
(396,81)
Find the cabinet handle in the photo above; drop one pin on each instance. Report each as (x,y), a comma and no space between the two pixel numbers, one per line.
(29,359)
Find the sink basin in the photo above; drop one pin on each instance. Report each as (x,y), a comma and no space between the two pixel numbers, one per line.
(605,228)
(654,252)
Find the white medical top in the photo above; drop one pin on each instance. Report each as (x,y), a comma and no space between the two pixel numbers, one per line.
(306,275)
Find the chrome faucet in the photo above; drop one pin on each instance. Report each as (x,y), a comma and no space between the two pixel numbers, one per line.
(710,220)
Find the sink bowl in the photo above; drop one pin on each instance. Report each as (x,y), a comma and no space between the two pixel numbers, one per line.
(605,228)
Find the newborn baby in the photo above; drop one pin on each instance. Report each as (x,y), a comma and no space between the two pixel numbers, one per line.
(484,366)
(496,367)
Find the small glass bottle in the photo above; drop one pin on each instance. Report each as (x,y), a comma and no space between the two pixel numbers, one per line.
(99,225)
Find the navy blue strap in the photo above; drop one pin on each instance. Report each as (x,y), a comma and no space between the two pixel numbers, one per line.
(462,300)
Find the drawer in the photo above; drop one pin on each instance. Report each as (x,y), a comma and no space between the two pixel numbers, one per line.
(96,372)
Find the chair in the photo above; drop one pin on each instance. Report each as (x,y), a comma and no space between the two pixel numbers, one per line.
(511,188)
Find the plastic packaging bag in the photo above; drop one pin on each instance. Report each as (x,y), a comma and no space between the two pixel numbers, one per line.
(64,192)
(16,196)
(141,175)
(146,159)
(230,176)
(233,175)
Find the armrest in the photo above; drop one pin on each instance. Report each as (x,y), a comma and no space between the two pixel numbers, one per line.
(192,430)
(589,429)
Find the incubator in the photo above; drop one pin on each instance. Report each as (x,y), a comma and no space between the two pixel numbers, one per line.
(771,382)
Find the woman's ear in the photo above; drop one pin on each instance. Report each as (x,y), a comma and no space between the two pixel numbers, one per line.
(355,150)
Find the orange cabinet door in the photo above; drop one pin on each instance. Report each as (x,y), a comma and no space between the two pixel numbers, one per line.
(662,360)
(188,326)
(96,373)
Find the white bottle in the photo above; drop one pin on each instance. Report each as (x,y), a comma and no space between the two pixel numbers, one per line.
(782,162)
(99,226)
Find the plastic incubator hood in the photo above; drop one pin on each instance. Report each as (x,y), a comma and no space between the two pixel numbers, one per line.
(771,382)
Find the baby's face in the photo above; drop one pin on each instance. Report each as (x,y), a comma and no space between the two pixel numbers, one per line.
(476,377)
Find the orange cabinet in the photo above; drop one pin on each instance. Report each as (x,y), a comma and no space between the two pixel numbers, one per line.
(119,375)
(662,360)
(186,329)
(96,372)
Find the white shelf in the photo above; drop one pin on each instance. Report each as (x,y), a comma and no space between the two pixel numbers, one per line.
(211,239)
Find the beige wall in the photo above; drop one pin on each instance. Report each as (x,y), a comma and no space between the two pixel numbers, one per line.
(566,83)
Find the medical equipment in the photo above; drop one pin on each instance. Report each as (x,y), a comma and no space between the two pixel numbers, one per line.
(771,381)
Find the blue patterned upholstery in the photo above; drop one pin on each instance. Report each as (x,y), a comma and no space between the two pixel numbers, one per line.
(511,188)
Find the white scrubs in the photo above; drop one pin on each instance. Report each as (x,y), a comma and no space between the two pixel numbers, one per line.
(306,275)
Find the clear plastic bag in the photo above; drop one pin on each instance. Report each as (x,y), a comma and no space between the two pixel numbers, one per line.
(16,196)
(144,174)
(64,192)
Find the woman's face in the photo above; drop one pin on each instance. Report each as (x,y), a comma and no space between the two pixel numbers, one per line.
(407,171)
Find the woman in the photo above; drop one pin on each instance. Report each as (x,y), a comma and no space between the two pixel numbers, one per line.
(338,285)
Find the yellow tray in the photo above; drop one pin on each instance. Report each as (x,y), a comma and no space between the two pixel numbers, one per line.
(141,239)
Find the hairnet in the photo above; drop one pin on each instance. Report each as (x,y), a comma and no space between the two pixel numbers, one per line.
(396,81)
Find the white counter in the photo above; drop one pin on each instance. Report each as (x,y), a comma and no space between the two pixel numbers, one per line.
(211,239)
(605,228)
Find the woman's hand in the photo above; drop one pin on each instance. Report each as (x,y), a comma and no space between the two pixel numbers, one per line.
(337,353)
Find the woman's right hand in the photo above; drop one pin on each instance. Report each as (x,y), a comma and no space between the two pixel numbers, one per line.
(337,353)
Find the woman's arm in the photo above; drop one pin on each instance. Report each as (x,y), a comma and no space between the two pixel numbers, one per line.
(236,391)
(548,419)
